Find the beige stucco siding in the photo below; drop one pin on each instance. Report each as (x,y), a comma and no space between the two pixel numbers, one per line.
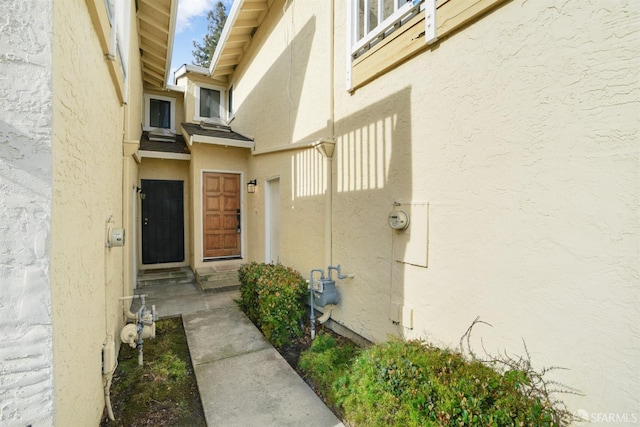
(521,134)
(513,145)
(303,179)
(282,97)
(281,91)
(86,276)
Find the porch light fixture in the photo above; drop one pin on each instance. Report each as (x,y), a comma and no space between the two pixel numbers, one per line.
(251,186)
(325,147)
(142,195)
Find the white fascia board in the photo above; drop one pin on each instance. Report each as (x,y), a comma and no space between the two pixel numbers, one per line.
(197,69)
(180,71)
(175,88)
(221,141)
(162,155)
(172,31)
(226,31)
(185,68)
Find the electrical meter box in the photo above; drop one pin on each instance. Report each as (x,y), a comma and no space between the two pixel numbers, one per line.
(325,292)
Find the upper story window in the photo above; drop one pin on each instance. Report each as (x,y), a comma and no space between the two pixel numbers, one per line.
(230,104)
(119,12)
(383,33)
(160,112)
(372,20)
(209,102)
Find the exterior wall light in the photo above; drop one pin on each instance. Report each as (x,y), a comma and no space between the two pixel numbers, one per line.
(142,195)
(251,186)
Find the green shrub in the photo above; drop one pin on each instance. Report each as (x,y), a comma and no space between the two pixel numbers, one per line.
(272,297)
(325,362)
(415,384)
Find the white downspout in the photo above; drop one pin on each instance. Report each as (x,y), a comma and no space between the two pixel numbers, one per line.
(329,192)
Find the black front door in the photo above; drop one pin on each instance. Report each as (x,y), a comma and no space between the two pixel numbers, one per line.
(162,221)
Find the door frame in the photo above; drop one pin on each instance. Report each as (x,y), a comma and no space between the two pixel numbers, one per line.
(173,264)
(242,212)
(268,202)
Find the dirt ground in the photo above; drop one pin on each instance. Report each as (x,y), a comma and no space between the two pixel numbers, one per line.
(169,411)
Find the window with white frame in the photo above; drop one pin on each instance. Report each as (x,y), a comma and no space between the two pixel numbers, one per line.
(209,102)
(372,20)
(230,103)
(159,112)
(118,12)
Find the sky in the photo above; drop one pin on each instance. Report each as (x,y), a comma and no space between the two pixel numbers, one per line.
(191,25)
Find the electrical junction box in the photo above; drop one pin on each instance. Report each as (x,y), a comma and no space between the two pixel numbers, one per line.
(324,292)
(116,237)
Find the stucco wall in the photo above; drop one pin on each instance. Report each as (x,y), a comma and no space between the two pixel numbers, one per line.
(26,376)
(520,132)
(282,97)
(86,276)
(513,144)
(281,87)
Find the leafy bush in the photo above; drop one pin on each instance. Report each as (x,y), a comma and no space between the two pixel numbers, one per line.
(326,361)
(415,384)
(272,297)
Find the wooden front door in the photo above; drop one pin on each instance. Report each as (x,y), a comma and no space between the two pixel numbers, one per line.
(162,221)
(221,215)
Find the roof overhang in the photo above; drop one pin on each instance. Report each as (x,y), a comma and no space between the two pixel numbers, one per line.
(193,133)
(244,18)
(202,139)
(156,27)
(188,68)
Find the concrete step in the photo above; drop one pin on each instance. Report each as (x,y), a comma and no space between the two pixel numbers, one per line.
(210,279)
(166,276)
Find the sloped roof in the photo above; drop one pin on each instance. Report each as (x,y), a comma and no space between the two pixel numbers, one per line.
(177,146)
(156,26)
(244,18)
(195,133)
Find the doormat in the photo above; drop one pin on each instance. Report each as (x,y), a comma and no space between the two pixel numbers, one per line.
(161,270)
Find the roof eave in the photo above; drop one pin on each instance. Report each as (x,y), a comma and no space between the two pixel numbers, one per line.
(221,141)
(226,31)
(172,33)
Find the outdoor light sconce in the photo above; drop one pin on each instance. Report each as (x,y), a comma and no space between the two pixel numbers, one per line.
(251,186)
(142,195)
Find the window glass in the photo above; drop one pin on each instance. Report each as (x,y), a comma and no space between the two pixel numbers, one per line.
(230,102)
(159,113)
(388,7)
(373,15)
(361,31)
(209,103)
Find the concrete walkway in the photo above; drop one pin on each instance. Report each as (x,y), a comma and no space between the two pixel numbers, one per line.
(242,379)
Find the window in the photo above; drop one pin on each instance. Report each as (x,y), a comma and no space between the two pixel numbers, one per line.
(230,104)
(118,12)
(159,112)
(383,33)
(209,102)
(375,19)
